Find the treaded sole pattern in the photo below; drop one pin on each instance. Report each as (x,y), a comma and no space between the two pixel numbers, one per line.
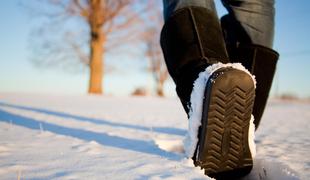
(223,150)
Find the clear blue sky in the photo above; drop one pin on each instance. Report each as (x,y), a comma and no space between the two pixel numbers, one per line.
(18,74)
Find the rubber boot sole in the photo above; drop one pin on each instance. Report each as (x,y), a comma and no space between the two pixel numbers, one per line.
(223,150)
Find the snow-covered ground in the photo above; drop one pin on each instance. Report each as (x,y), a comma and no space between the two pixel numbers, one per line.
(97,137)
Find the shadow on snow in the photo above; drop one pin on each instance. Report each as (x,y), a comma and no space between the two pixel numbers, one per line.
(165,130)
(101,138)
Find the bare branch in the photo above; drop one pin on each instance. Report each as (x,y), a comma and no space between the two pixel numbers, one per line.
(153,51)
(83,31)
(78,51)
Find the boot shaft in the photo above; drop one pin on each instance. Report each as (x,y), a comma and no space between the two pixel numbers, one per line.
(192,35)
(191,40)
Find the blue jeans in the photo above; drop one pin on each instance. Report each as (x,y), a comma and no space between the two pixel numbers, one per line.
(254,17)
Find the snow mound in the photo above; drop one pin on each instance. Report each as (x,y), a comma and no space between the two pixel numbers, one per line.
(170,145)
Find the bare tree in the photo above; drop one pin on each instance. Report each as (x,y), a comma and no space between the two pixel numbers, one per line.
(67,25)
(153,50)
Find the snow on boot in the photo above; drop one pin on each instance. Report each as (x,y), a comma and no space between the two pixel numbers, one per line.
(219,106)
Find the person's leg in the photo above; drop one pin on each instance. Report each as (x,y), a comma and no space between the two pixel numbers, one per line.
(249,30)
(170,6)
(219,103)
(251,21)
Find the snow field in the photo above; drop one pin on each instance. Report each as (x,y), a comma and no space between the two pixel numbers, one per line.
(97,137)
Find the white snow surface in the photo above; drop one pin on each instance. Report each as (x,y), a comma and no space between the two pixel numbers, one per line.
(100,137)
(196,105)
(251,137)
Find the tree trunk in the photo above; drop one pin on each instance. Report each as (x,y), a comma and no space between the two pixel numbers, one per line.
(160,89)
(97,40)
(96,65)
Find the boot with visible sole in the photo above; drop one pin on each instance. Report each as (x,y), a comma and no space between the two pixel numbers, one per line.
(192,42)
(223,150)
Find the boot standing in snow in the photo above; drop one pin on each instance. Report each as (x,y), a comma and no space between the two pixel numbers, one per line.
(249,39)
(217,93)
